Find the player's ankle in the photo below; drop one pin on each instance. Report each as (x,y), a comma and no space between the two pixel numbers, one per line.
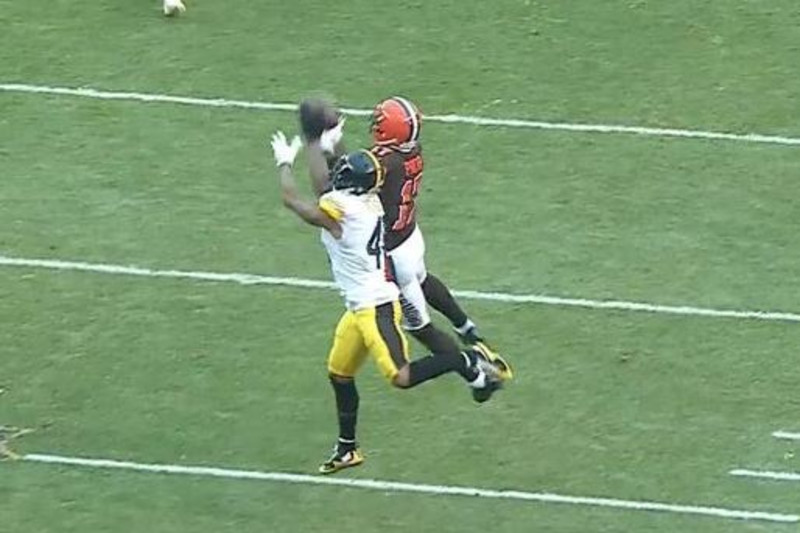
(465,327)
(346,445)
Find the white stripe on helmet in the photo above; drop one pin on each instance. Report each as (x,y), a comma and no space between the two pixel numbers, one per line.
(412,112)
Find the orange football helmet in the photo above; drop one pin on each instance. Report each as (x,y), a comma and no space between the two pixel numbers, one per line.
(395,122)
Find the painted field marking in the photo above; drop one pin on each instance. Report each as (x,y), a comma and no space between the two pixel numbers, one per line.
(253,279)
(786,435)
(766,474)
(447,119)
(394,486)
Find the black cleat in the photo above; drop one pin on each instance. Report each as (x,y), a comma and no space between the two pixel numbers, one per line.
(484,393)
(492,374)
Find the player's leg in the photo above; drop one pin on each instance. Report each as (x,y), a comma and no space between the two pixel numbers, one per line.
(408,265)
(389,346)
(440,298)
(434,292)
(411,254)
(479,372)
(468,331)
(346,357)
(417,320)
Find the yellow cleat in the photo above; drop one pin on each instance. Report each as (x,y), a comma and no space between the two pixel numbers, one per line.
(341,460)
(504,370)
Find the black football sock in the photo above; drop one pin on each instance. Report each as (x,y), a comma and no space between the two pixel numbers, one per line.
(439,297)
(427,368)
(347,410)
(436,340)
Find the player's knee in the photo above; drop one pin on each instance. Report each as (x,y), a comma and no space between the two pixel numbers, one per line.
(402,380)
(420,333)
(424,282)
(415,314)
(338,378)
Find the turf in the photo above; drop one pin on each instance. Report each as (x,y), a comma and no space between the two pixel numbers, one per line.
(606,403)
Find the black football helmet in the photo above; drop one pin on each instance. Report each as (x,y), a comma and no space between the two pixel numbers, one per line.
(358,172)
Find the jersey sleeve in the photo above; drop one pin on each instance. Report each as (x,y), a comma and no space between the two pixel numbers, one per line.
(331,207)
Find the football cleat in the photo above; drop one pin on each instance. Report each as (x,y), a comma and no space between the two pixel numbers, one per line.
(492,381)
(502,368)
(341,459)
(482,394)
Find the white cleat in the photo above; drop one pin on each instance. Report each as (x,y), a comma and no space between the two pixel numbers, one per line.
(173,7)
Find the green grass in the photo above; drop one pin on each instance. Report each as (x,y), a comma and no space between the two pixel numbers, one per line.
(81,501)
(606,403)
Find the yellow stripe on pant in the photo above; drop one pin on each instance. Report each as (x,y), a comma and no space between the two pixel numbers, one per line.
(373,331)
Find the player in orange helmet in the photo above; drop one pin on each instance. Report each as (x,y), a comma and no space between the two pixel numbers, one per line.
(395,128)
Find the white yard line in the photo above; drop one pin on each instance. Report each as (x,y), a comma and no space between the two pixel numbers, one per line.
(254,279)
(449,119)
(786,435)
(394,486)
(766,474)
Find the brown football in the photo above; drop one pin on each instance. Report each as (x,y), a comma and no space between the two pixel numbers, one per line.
(317,115)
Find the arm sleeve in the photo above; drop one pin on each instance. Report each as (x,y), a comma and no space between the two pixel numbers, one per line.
(330,207)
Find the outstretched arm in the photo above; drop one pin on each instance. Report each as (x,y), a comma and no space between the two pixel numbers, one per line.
(318,168)
(319,152)
(308,211)
(285,155)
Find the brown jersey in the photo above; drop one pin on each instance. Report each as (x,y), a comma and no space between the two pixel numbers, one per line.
(399,192)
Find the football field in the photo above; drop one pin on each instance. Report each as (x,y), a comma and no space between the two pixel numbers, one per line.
(612,189)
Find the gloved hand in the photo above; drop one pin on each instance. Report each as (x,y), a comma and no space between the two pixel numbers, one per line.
(284,152)
(330,138)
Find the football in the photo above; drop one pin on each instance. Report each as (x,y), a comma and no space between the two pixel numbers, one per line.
(317,115)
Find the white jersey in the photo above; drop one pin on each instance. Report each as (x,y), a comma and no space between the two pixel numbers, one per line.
(357,258)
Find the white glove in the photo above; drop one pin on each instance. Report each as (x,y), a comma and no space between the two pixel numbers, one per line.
(173,7)
(330,138)
(284,152)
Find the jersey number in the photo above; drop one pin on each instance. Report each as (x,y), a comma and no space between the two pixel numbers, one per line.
(375,243)
(408,194)
(375,248)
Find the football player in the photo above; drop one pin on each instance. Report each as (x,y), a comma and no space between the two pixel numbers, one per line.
(395,131)
(350,216)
